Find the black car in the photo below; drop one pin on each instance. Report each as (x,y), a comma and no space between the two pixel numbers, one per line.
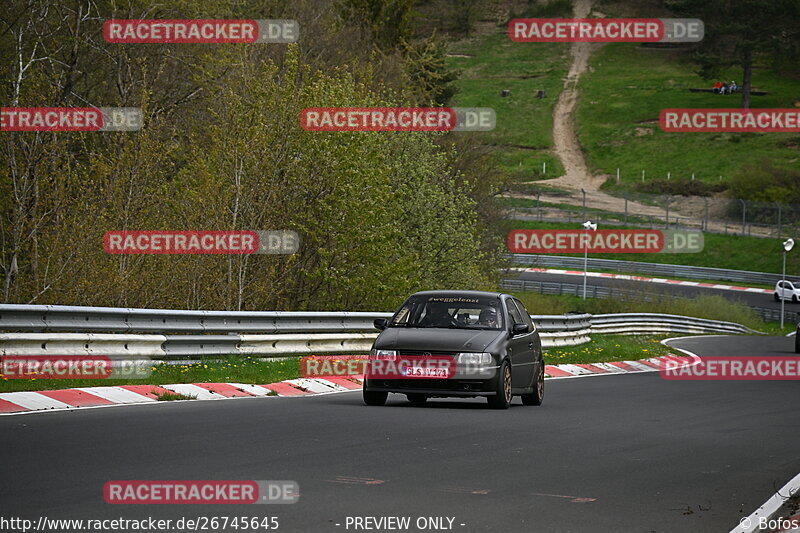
(457,343)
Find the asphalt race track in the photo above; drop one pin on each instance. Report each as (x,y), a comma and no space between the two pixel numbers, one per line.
(750,299)
(608,453)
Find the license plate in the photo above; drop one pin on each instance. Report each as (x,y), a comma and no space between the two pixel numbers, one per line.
(426,372)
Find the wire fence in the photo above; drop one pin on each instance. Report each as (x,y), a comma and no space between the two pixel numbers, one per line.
(710,214)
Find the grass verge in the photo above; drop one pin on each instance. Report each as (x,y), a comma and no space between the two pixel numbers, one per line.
(235,369)
(605,348)
(172,396)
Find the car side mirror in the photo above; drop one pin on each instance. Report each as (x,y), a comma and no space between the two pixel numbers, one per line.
(519,329)
(380,323)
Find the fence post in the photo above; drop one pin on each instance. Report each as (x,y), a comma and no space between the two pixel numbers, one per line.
(744,215)
(779,219)
(584,204)
(538,207)
(666,206)
(626,208)
(705,214)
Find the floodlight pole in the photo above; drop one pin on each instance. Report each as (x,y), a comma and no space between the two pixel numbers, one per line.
(586,226)
(783,286)
(586,263)
(788,244)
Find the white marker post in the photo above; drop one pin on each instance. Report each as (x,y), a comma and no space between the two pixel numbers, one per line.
(588,225)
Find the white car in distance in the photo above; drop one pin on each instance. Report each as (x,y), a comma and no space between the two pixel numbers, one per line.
(787,290)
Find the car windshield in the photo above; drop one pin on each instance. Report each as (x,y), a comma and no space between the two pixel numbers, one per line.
(456,312)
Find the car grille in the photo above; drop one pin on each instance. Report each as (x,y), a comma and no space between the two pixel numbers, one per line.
(435,384)
(402,352)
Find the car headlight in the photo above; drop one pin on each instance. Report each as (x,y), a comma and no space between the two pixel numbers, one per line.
(389,355)
(475,358)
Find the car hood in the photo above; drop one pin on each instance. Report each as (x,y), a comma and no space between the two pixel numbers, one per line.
(436,339)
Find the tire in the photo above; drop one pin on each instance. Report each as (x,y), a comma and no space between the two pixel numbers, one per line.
(794,299)
(375,397)
(417,398)
(777,298)
(502,400)
(797,341)
(537,396)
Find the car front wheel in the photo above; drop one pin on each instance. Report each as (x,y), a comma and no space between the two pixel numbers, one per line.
(537,396)
(417,398)
(502,399)
(375,397)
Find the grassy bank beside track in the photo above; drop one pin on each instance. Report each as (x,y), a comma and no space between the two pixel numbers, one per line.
(522,139)
(711,307)
(735,252)
(605,348)
(626,88)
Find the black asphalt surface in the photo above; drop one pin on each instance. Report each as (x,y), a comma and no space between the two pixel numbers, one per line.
(747,298)
(609,453)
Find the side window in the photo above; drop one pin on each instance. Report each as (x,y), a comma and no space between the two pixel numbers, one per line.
(526,316)
(516,316)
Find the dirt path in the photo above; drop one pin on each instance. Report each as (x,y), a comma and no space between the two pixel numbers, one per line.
(577,175)
(565,141)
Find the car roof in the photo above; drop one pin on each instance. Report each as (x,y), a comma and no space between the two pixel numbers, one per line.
(451,294)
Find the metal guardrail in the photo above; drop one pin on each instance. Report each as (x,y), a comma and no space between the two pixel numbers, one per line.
(354,331)
(246,333)
(121,319)
(652,269)
(596,291)
(643,323)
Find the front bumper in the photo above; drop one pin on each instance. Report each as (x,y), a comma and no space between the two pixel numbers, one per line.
(434,387)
